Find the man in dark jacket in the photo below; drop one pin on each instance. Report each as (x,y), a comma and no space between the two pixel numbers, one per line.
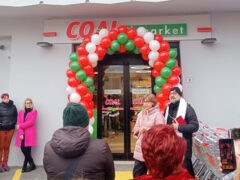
(179,109)
(72,153)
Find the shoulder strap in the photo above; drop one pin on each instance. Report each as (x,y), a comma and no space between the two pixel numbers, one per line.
(73,165)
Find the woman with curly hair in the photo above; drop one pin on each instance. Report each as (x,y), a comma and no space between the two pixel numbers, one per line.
(163,152)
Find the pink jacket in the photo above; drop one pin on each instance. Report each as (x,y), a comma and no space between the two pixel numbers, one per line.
(27,128)
(146,118)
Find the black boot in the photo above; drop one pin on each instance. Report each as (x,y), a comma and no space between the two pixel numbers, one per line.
(24,168)
(32,166)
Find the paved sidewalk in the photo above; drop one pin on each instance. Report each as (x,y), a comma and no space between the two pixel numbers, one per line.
(123,169)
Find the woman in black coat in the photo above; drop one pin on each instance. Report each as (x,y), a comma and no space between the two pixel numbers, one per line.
(8,119)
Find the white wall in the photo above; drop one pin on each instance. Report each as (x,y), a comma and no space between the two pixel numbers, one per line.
(214,69)
(39,73)
(5,58)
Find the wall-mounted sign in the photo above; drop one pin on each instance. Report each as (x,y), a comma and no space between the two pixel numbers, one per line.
(112,102)
(166,29)
(112,91)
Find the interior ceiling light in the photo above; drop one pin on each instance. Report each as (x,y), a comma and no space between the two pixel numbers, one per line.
(208,40)
(44,44)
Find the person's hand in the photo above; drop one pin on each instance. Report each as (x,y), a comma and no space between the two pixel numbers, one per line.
(21,137)
(142,130)
(17,127)
(220,164)
(175,124)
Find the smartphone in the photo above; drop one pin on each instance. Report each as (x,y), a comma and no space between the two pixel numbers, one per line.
(227,155)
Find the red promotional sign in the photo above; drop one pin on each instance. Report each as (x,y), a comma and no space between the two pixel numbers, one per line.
(86,28)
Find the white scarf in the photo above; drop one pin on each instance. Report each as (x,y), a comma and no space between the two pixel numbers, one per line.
(182,109)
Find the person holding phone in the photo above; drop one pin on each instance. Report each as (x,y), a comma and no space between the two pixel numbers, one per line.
(177,110)
(148,117)
(26,133)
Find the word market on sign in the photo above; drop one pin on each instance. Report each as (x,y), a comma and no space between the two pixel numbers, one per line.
(86,28)
(112,102)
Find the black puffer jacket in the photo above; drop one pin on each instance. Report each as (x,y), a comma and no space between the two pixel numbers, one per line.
(8,115)
(187,130)
(67,144)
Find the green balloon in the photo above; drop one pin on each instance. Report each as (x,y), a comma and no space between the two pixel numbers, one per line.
(166,72)
(156,88)
(136,50)
(129,45)
(122,38)
(91,89)
(171,63)
(115,45)
(172,52)
(75,66)
(160,81)
(88,81)
(73,57)
(110,51)
(81,75)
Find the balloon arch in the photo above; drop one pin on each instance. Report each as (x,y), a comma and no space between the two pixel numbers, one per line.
(151,47)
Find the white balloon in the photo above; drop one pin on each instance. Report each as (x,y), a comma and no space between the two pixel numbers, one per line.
(75,97)
(91,121)
(90,47)
(94,64)
(90,129)
(96,39)
(70,90)
(153,55)
(93,57)
(150,62)
(148,37)
(103,33)
(141,31)
(154,45)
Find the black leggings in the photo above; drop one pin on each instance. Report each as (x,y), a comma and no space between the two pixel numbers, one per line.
(27,153)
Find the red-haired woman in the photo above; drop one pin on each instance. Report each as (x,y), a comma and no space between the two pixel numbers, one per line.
(8,119)
(147,118)
(164,152)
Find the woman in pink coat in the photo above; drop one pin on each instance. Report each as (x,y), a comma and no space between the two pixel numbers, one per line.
(26,133)
(148,117)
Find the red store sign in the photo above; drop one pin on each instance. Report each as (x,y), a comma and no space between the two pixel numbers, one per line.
(86,28)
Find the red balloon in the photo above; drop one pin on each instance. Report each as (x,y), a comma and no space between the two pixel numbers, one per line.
(161,97)
(100,50)
(90,113)
(173,80)
(131,33)
(84,103)
(122,48)
(106,42)
(88,69)
(164,56)
(162,111)
(145,57)
(138,41)
(91,105)
(100,58)
(81,89)
(70,73)
(145,49)
(158,65)
(73,82)
(166,88)
(158,37)
(176,71)
(69,64)
(87,97)
(69,97)
(91,74)
(83,60)
(112,34)
(164,46)
(81,50)
(122,29)
(166,103)
(155,73)
(86,40)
